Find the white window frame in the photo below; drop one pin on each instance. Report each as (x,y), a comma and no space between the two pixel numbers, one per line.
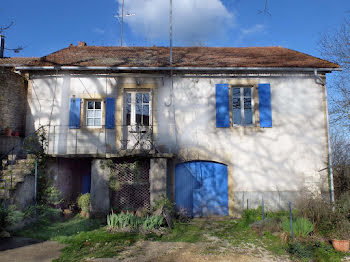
(87,109)
(133,107)
(241,92)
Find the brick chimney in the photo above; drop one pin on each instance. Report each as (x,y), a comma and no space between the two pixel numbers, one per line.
(2,46)
(81,43)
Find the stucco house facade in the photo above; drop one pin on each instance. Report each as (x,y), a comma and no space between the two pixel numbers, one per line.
(217,130)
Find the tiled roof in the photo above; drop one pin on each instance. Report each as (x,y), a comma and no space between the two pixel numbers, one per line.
(209,57)
(16,61)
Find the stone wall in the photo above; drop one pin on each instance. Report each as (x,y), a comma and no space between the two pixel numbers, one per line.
(13,101)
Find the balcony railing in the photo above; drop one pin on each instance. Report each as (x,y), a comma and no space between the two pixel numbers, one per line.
(121,140)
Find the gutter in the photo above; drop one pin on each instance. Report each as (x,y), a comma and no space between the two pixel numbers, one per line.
(330,160)
(83,68)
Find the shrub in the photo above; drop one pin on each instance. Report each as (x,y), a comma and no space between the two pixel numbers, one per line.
(300,250)
(251,215)
(84,202)
(302,227)
(164,203)
(52,196)
(269,224)
(13,216)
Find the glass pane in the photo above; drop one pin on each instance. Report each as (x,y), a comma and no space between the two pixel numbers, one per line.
(90,113)
(97,121)
(146,98)
(248,117)
(138,98)
(97,105)
(139,109)
(237,116)
(138,119)
(145,110)
(236,102)
(128,114)
(98,113)
(90,105)
(247,103)
(248,92)
(128,97)
(90,121)
(145,120)
(236,92)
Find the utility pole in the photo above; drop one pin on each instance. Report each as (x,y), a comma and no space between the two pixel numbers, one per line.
(171,32)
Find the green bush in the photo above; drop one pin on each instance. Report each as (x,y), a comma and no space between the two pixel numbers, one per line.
(300,250)
(84,202)
(52,196)
(302,227)
(251,215)
(13,216)
(164,203)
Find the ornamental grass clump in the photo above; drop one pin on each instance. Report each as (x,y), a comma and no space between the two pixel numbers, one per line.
(302,227)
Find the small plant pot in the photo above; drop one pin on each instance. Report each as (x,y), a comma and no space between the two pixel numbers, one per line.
(85,214)
(340,245)
(8,132)
(16,133)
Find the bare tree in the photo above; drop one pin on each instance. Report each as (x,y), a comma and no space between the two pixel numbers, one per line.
(335,46)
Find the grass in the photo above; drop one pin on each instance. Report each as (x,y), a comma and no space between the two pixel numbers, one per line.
(85,238)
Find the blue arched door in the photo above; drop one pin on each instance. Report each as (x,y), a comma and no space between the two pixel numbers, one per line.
(201,188)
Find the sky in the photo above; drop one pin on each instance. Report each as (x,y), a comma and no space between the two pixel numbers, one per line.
(45,26)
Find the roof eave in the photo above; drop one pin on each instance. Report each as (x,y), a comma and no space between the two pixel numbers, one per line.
(112,68)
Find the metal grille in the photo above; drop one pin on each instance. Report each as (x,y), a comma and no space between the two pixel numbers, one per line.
(133,191)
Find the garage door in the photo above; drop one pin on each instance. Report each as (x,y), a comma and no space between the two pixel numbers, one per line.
(201,188)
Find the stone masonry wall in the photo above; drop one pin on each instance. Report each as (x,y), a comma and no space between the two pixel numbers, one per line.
(13,101)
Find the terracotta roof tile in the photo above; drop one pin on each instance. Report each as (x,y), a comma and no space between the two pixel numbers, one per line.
(105,56)
(16,61)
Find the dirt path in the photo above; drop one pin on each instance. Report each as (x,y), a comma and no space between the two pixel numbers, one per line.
(28,250)
(148,251)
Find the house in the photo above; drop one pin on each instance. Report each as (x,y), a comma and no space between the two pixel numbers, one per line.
(217,130)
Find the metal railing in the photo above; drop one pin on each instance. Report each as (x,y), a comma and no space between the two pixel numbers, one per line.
(130,139)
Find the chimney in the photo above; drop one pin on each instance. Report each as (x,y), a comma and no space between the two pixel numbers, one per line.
(82,43)
(2,46)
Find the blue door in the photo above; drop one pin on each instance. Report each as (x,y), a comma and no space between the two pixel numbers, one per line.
(86,183)
(201,188)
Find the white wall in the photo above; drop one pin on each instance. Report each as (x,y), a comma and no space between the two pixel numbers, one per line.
(284,158)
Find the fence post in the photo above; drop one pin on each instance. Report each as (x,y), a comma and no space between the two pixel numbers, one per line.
(262,205)
(11,168)
(291,219)
(35,186)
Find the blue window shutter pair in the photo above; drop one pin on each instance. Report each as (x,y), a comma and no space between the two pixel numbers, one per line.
(222,105)
(265,105)
(74,113)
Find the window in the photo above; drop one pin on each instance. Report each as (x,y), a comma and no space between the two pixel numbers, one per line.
(94,113)
(137,108)
(242,112)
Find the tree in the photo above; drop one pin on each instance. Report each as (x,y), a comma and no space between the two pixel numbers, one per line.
(335,46)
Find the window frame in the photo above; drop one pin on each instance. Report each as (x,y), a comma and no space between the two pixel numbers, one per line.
(242,97)
(133,103)
(87,109)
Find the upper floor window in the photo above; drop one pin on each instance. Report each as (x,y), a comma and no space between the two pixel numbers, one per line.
(137,108)
(242,112)
(94,113)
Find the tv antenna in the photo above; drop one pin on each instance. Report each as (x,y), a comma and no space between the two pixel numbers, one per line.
(121,21)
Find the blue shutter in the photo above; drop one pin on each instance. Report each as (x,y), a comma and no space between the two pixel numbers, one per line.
(222,106)
(265,105)
(74,113)
(110,109)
